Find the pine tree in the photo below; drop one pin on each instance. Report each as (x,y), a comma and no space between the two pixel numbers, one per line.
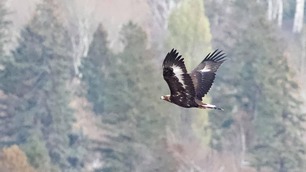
(4,26)
(262,96)
(130,114)
(5,121)
(37,76)
(93,69)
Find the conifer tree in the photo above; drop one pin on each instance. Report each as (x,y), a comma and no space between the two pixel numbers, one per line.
(5,25)
(38,76)
(261,95)
(93,69)
(131,114)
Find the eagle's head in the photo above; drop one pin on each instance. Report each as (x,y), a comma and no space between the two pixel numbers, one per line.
(166,98)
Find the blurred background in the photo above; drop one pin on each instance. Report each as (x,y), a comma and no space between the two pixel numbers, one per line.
(81,80)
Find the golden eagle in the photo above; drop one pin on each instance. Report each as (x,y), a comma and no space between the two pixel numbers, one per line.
(187,89)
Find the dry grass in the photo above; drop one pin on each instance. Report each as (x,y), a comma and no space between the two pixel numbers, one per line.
(191,155)
(86,120)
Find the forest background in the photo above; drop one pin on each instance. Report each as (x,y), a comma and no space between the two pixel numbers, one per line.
(80,84)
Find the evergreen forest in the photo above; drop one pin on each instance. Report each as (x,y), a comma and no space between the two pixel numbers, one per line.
(80,86)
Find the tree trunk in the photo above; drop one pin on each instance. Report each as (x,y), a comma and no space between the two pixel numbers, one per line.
(243,144)
(80,25)
(160,12)
(280,12)
(303,56)
(275,11)
(298,16)
(270,10)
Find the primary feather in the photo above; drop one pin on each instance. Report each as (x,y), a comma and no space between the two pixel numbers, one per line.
(204,74)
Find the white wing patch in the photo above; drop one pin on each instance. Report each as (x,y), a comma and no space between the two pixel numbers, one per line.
(206,69)
(179,74)
(209,67)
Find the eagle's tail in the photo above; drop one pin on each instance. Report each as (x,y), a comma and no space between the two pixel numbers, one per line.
(210,106)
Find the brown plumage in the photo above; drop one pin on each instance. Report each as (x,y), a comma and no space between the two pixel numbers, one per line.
(187,90)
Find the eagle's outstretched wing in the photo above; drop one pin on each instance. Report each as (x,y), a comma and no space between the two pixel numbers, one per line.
(177,78)
(204,74)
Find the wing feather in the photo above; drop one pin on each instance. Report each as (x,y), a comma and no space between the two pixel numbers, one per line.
(177,78)
(204,74)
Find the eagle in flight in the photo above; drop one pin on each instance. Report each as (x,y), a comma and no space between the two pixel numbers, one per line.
(188,89)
